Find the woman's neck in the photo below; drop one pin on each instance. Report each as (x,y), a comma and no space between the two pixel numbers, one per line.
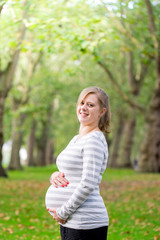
(83,130)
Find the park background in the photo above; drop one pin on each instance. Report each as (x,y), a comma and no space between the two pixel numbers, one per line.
(49,52)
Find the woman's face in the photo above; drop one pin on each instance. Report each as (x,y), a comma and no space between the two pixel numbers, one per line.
(89,111)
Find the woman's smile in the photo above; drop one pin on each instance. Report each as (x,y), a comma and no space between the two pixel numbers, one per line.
(83,114)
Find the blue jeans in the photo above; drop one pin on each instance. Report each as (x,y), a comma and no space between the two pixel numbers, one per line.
(78,234)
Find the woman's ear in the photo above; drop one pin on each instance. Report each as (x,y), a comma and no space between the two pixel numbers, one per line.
(102,112)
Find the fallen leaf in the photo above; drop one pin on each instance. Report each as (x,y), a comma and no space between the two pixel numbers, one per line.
(156,238)
(113,220)
(7,218)
(20,225)
(32,227)
(8,230)
(17,212)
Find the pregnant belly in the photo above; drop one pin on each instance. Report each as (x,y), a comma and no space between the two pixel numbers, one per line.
(56,197)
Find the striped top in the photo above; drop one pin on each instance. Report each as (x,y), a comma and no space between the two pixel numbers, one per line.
(83,161)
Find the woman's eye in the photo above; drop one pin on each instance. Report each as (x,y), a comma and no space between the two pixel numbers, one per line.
(90,104)
(81,103)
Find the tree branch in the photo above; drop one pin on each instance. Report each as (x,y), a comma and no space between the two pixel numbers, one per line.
(1,7)
(136,82)
(12,66)
(156,41)
(122,28)
(119,90)
(30,73)
(152,26)
(143,73)
(131,76)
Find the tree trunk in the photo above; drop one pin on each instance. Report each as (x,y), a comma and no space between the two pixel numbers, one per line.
(2,99)
(150,150)
(49,158)
(44,138)
(6,78)
(42,145)
(41,154)
(31,145)
(2,170)
(17,139)
(124,159)
(117,139)
(124,156)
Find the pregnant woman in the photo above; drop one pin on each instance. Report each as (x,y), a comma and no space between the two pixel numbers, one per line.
(74,198)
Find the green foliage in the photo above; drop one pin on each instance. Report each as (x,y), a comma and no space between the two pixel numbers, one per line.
(72,37)
(10,23)
(131,200)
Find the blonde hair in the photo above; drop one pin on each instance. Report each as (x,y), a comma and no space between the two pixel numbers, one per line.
(103,99)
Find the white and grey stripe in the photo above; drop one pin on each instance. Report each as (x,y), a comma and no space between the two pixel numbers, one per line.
(83,162)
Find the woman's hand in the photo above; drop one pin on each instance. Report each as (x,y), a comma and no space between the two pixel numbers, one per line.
(62,221)
(58,179)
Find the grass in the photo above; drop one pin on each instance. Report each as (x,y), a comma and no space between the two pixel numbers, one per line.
(132,200)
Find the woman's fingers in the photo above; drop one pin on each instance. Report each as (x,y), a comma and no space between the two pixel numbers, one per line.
(62,179)
(58,179)
(55,216)
(51,210)
(60,183)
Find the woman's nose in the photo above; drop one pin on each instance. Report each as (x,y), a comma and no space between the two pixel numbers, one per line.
(84,106)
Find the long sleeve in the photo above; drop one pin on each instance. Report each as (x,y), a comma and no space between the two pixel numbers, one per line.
(93,167)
